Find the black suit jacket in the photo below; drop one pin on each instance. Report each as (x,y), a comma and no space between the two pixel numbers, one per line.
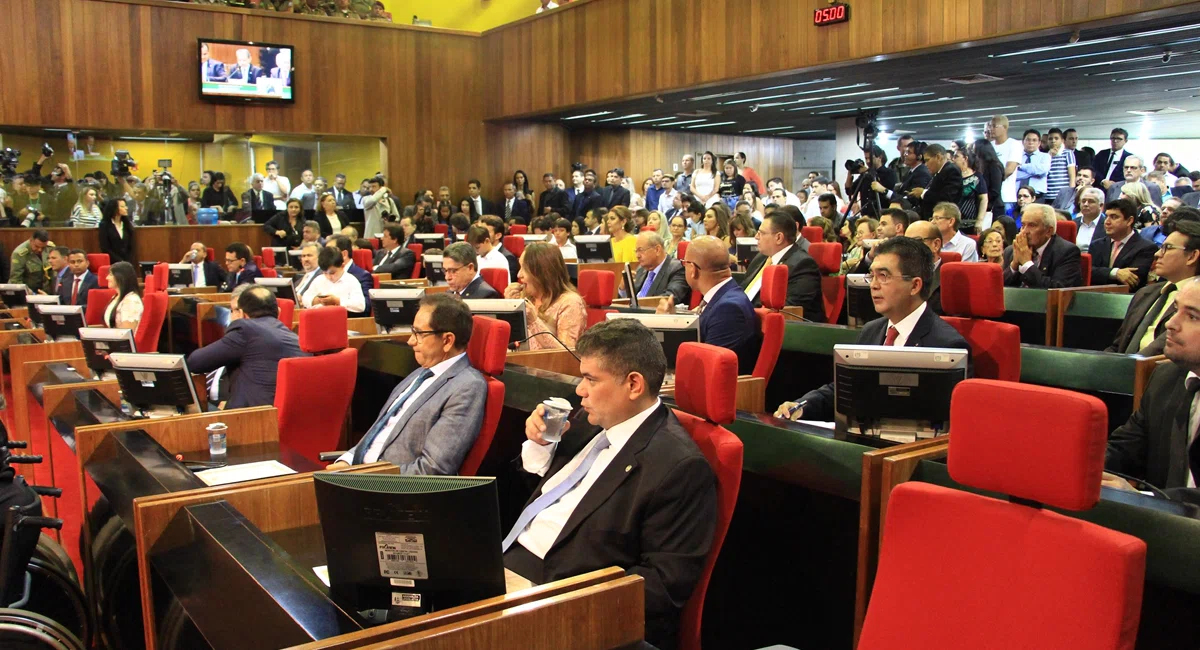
(214,275)
(1057,268)
(585,202)
(919,177)
(930,332)
(118,247)
(804,282)
(946,186)
(345,202)
(399,263)
(1139,306)
(514,263)
(254,72)
(480,290)
(671,279)
(615,195)
(1137,253)
(521,209)
(1153,444)
(246,276)
(556,200)
(651,512)
(68,284)
(1101,163)
(935,289)
(251,349)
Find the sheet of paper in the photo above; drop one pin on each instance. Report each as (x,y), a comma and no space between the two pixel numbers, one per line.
(246,472)
(819,423)
(322,573)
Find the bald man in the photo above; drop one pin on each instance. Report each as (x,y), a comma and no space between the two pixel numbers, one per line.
(932,238)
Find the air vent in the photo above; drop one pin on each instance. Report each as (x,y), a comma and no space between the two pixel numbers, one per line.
(1157,111)
(969,79)
(697,114)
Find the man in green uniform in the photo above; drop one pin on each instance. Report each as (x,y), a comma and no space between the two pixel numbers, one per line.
(29,261)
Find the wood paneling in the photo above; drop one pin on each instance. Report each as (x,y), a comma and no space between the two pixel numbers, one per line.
(534,148)
(162,243)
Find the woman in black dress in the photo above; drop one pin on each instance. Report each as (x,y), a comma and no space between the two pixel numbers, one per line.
(116,231)
(285,227)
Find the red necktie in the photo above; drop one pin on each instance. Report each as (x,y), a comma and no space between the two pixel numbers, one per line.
(75,291)
(892,335)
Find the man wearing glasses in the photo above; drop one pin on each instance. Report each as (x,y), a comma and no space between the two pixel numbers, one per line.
(392,257)
(900,284)
(1109,164)
(429,423)
(1177,263)
(459,262)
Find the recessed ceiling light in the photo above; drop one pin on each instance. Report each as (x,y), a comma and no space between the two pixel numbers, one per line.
(759,90)
(923,101)
(803,83)
(980,110)
(1157,111)
(816,99)
(623,117)
(580,117)
(1097,41)
(705,126)
(657,119)
(806,92)
(803,132)
(1156,67)
(774,128)
(1158,76)
(1175,90)
(679,123)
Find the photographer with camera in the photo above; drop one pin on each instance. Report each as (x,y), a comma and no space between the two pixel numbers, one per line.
(870,190)
(168,203)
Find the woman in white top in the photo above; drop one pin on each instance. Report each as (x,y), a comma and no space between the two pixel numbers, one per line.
(278,186)
(704,180)
(86,213)
(125,309)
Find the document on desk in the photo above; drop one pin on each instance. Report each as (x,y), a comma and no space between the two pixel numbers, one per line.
(246,472)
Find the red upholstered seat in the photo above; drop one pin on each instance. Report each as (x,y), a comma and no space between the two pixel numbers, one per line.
(268,257)
(1066,229)
(102,275)
(1004,574)
(495,278)
(323,329)
(375,243)
(269,272)
(418,250)
(212,255)
(948,258)
(518,229)
(773,290)
(976,293)
(833,286)
(705,375)
(97,260)
(597,288)
(973,237)
(311,411)
(1085,265)
(258,261)
(287,312)
(487,351)
(374,281)
(363,258)
(514,244)
(441,229)
(681,251)
(154,313)
(149,285)
(771,325)
(162,276)
(814,234)
(97,303)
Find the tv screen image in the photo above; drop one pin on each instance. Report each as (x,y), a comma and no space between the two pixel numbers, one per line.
(246,71)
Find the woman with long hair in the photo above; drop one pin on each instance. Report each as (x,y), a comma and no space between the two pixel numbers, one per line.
(1147,212)
(740,225)
(988,166)
(329,217)
(218,195)
(618,222)
(716,223)
(86,213)
(974,201)
(551,303)
(444,211)
(655,222)
(756,204)
(864,229)
(704,180)
(521,183)
(124,311)
(732,183)
(465,206)
(286,226)
(678,229)
(116,232)
(828,234)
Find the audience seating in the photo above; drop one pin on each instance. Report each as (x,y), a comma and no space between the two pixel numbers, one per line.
(102,275)
(833,286)
(374,282)
(258,261)
(149,285)
(1066,229)
(97,261)
(1085,265)
(154,313)
(287,312)
(311,413)
(363,258)
(269,272)
(703,377)
(97,304)
(514,244)
(487,350)
(212,256)
(518,229)
(323,329)
(971,294)
(596,287)
(963,570)
(441,229)
(950,258)
(681,251)
(418,268)
(814,234)
(268,257)
(495,278)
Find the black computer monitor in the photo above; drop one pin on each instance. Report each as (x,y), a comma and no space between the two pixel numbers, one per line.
(395,307)
(672,330)
(511,311)
(593,248)
(431,240)
(401,546)
(281,287)
(630,287)
(146,267)
(99,342)
(156,383)
(747,248)
(884,388)
(33,300)
(434,271)
(860,309)
(61,322)
(180,275)
(294,259)
(573,272)
(13,295)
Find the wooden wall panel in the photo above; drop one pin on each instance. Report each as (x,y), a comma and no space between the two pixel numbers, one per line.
(534,148)
(161,243)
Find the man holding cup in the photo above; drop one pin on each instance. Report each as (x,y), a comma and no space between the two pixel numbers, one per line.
(626,487)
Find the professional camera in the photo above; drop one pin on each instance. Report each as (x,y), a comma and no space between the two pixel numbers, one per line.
(166,180)
(855,166)
(122,163)
(8,161)
(46,150)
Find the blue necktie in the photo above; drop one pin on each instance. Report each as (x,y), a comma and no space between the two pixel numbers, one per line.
(363,445)
(646,285)
(195,275)
(550,498)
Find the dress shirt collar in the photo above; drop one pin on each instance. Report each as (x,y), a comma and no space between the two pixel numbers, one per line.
(1125,241)
(440,368)
(909,322)
(711,293)
(658,269)
(779,256)
(1042,249)
(620,434)
(1178,285)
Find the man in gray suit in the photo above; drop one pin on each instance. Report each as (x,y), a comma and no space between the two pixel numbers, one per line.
(428,424)
(658,274)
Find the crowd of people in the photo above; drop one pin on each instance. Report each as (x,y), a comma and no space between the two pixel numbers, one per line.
(350,9)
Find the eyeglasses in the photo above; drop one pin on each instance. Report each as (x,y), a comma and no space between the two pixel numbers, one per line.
(421,334)
(1167,248)
(639,251)
(885,278)
(451,270)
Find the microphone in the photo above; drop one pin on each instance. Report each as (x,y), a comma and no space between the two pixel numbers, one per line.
(517,344)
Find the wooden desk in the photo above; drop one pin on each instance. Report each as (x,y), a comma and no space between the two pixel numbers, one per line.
(751,393)
(194,291)
(24,409)
(559,361)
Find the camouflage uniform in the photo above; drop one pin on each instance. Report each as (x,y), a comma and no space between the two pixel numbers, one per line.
(317,9)
(29,269)
(276,5)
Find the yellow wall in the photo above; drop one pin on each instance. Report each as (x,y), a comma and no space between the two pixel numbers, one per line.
(470,15)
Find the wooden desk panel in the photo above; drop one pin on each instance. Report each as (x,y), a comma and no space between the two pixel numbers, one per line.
(751,393)
(18,357)
(560,361)
(161,243)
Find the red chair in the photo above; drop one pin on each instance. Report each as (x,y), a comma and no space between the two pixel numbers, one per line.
(495,277)
(681,251)
(149,285)
(597,288)
(948,257)
(375,243)
(487,351)
(258,261)
(363,258)
(323,329)
(973,237)
(518,229)
(269,272)
(771,323)
(287,312)
(98,260)
(212,255)
(704,375)
(833,286)
(773,290)
(102,275)
(268,258)
(154,313)
(97,304)
(312,413)
(1008,574)
(971,294)
(1066,229)
(418,268)
(814,234)
(162,276)
(1085,265)
(514,244)
(441,229)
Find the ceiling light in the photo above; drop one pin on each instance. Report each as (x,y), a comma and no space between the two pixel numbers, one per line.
(923,101)
(719,95)
(657,119)
(906,117)
(1175,90)
(803,83)
(979,110)
(1097,41)
(1072,57)
(153,138)
(803,132)
(580,117)
(679,123)
(816,99)
(623,117)
(806,92)
(758,90)
(1158,76)
(832,104)
(774,128)
(1160,66)
(1157,111)
(705,126)
(1149,57)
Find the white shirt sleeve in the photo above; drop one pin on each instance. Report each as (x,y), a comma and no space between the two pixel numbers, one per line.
(536,458)
(350,294)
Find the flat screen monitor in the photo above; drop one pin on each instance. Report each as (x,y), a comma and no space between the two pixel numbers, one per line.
(13,295)
(747,248)
(244,72)
(99,342)
(62,322)
(180,275)
(431,240)
(537,239)
(395,307)
(860,309)
(672,330)
(512,311)
(573,272)
(281,287)
(884,388)
(593,248)
(402,546)
(147,267)
(434,271)
(630,289)
(294,259)
(34,299)
(156,382)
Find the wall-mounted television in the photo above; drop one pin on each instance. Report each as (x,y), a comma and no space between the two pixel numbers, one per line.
(246,72)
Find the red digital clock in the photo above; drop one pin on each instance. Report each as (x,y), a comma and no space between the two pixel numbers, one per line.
(834,13)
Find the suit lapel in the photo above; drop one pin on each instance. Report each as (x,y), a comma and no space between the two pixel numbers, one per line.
(1177,471)
(921,329)
(435,385)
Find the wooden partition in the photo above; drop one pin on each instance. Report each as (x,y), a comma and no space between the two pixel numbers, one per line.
(560,361)
(160,243)
(1062,299)
(18,357)
(751,393)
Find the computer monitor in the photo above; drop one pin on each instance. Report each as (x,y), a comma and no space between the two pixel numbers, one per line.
(431,240)
(593,248)
(512,311)
(13,295)
(180,275)
(401,546)
(281,287)
(280,253)
(159,384)
(395,307)
(883,390)
(35,299)
(61,322)
(537,239)
(573,272)
(294,259)
(434,271)
(860,309)
(747,248)
(672,330)
(630,288)
(99,342)
(146,267)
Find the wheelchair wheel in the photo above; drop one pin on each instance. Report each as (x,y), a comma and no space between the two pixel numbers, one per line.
(25,630)
(57,596)
(119,601)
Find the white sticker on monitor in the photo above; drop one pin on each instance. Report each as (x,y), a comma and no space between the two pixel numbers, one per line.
(144,378)
(406,600)
(400,582)
(402,555)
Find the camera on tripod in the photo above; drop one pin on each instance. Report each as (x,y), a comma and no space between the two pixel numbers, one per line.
(122,163)
(855,166)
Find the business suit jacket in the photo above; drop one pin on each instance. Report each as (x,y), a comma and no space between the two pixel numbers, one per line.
(480,290)
(1098,233)
(399,262)
(1192,199)
(514,263)
(615,195)
(930,332)
(585,202)
(1141,304)
(260,204)
(435,435)
(1101,163)
(214,275)
(252,76)
(118,246)
(344,198)
(88,283)
(554,199)
(1057,268)
(293,235)
(327,228)
(246,276)
(935,289)
(364,278)
(946,185)
(920,177)
(1137,253)
(804,282)
(1065,200)
(671,280)
(651,512)
(521,209)
(1153,444)
(215,69)
(286,75)
(251,349)
(729,322)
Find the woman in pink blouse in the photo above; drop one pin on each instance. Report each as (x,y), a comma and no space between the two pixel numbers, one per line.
(551,303)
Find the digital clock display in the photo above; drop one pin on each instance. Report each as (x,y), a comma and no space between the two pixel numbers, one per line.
(835,13)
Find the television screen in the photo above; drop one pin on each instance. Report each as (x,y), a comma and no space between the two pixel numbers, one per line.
(242,71)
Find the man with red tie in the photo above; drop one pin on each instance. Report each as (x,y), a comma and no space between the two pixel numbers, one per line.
(74,287)
(900,284)
(1121,256)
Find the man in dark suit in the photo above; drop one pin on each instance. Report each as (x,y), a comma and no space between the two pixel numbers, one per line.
(461,265)
(1134,255)
(552,199)
(57,269)
(1038,257)
(392,257)
(777,245)
(626,487)
(1177,263)
(205,272)
(929,235)
(497,230)
(1156,444)
(1065,199)
(346,247)
(587,200)
(239,267)
(920,175)
(344,198)
(658,274)
(480,205)
(1108,165)
(512,207)
(73,290)
(945,185)
(902,269)
(260,205)
(210,69)
(614,194)
(245,71)
(253,345)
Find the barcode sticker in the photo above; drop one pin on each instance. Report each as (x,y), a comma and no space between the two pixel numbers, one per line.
(406,600)
(402,555)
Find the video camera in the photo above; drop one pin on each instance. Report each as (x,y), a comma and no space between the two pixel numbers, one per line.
(46,150)
(122,164)
(855,166)
(8,162)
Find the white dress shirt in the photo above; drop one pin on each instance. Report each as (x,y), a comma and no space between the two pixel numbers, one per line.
(1011,151)
(1085,231)
(496,260)
(198,279)
(281,185)
(381,440)
(347,289)
(478,203)
(906,325)
(753,289)
(304,286)
(541,533)
(666,201)
(963,245)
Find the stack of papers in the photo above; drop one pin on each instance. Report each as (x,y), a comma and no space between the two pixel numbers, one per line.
(246,472)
